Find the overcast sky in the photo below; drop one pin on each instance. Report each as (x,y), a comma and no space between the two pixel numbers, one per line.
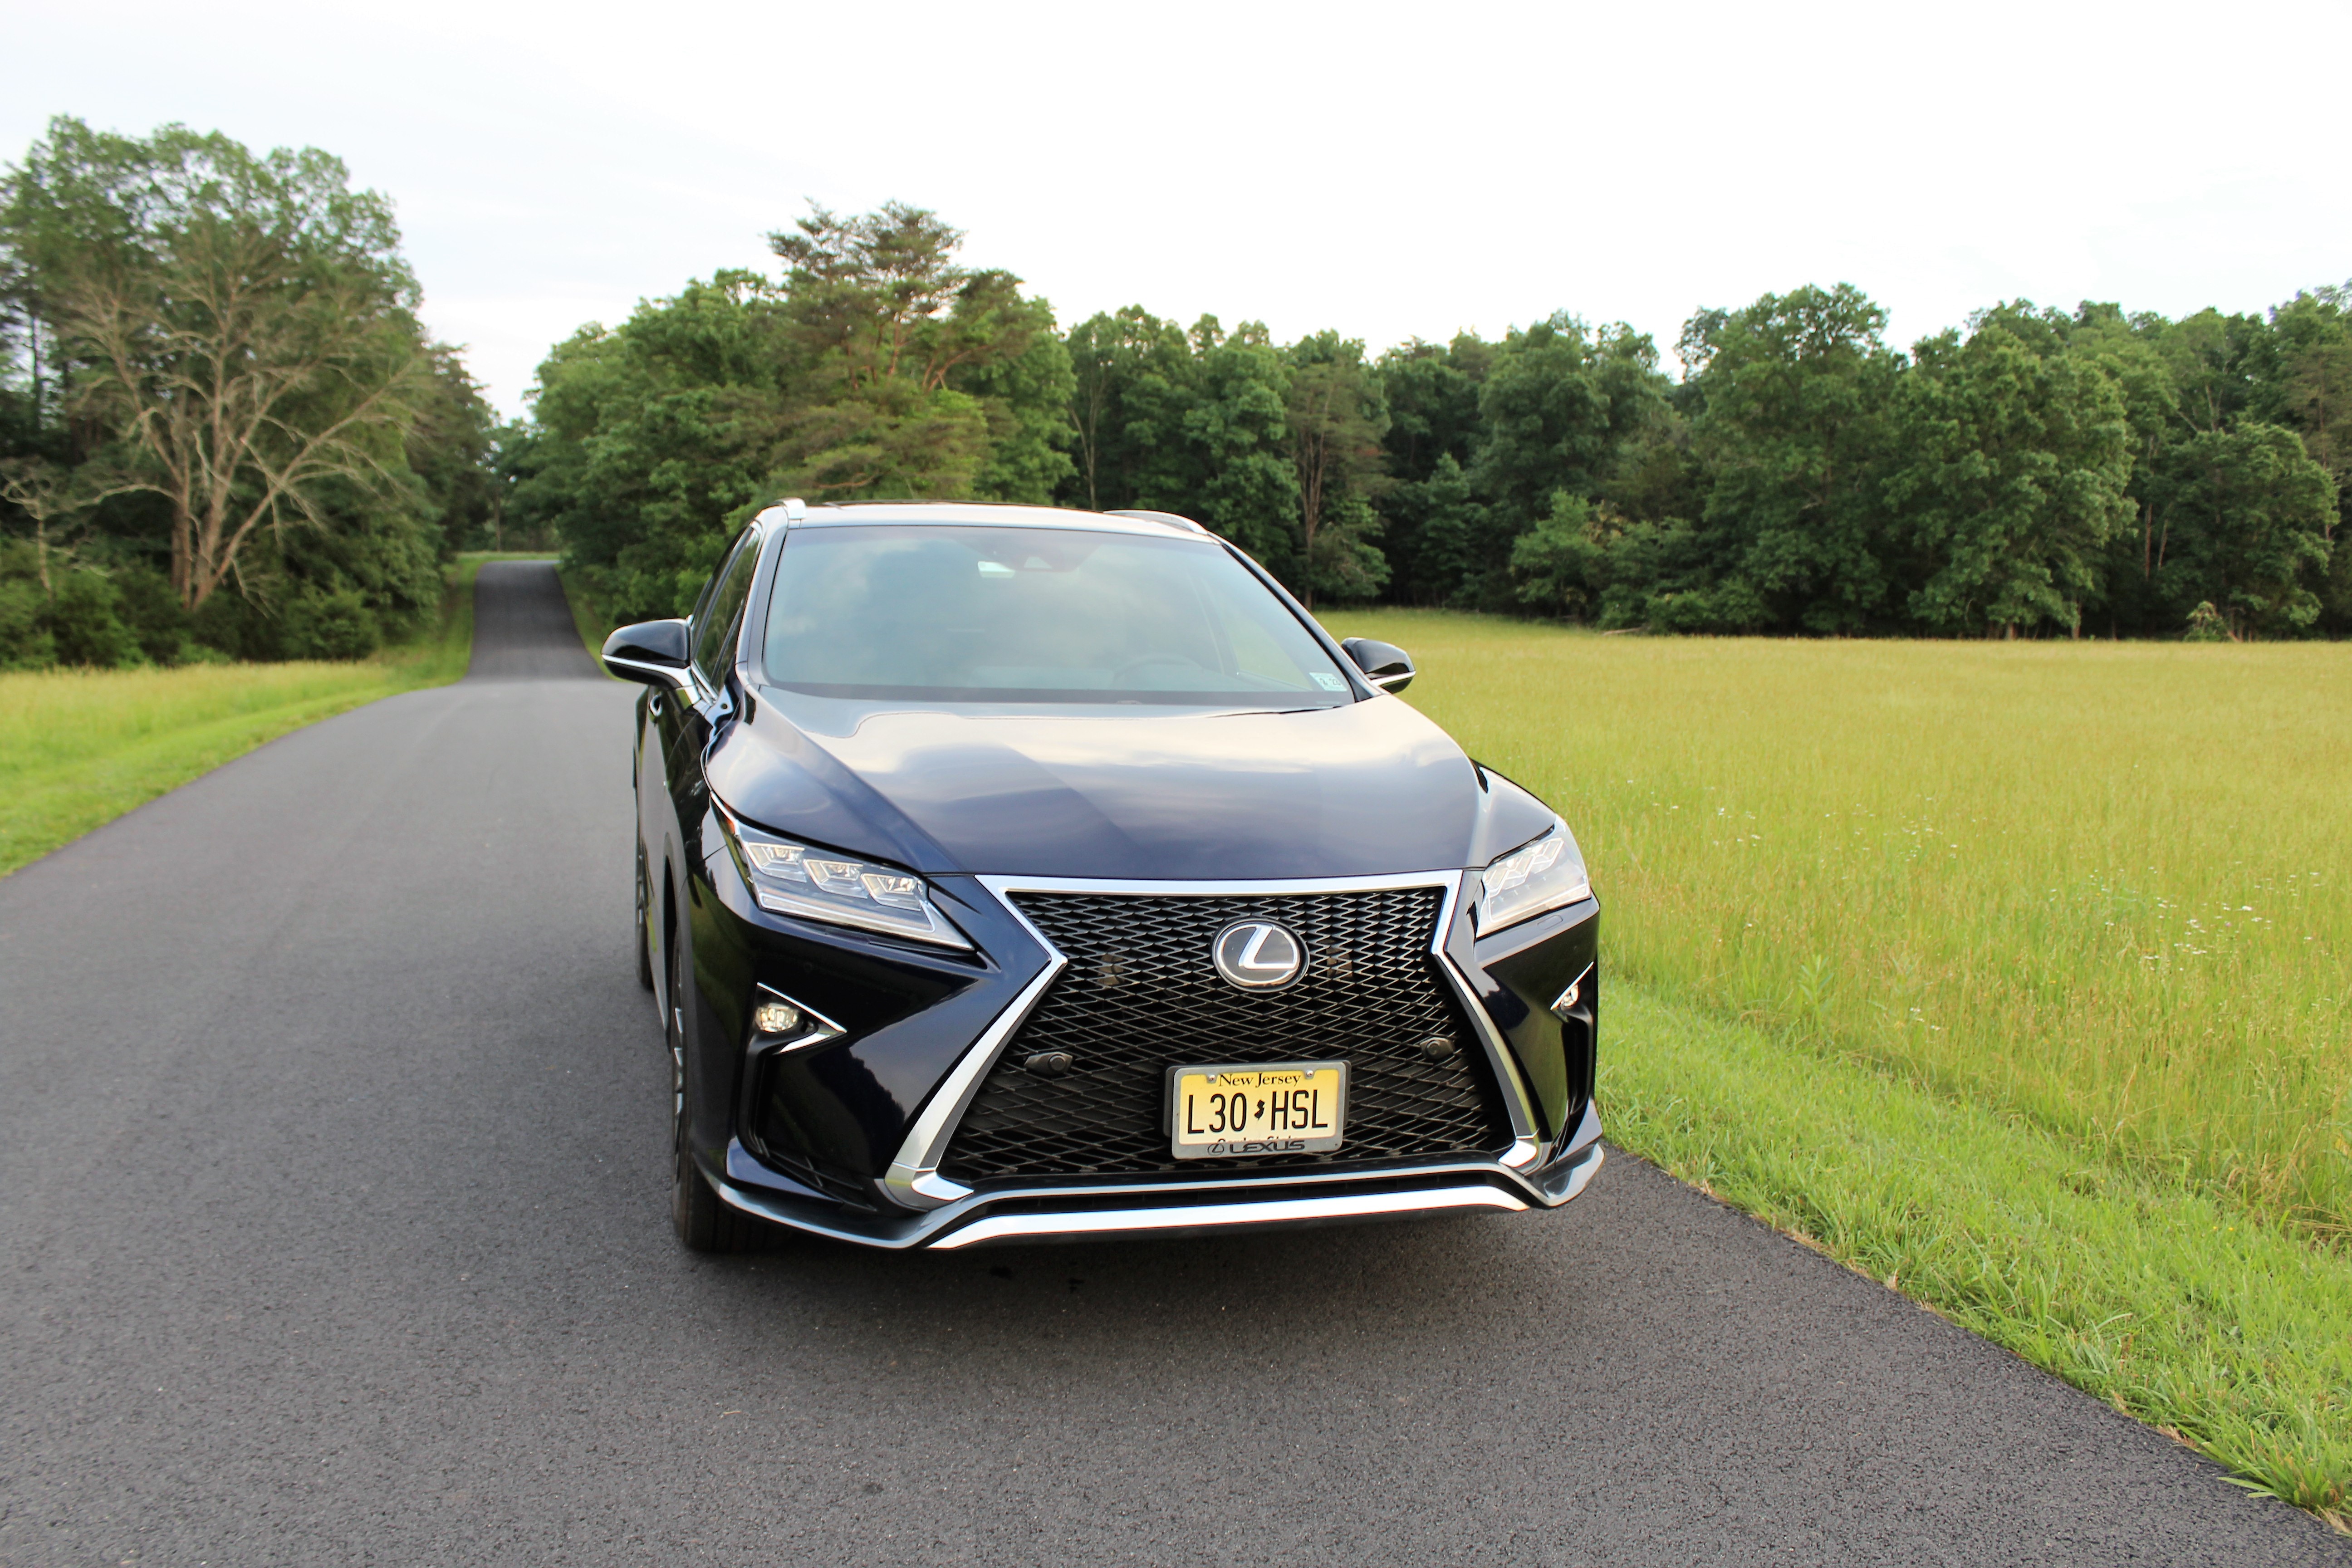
(1392,170)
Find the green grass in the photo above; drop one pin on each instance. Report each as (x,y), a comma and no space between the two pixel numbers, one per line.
(81,747)
(2017,971)
(2226,1334)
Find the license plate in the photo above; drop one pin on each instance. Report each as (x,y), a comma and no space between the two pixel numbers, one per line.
(1260,1108)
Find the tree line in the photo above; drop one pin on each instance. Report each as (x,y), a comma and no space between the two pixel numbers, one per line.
(223,433)
(2039,473)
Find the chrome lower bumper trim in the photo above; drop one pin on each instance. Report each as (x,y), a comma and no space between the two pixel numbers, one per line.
(1198,1207)
(1198,1218)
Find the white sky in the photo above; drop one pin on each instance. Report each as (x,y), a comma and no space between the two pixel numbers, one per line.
(1393,171)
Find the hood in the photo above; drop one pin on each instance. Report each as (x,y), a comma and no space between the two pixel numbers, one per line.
(1363,789)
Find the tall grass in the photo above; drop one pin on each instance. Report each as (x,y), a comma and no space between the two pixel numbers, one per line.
(2101,885)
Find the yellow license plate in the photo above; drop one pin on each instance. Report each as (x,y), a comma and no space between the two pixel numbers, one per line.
(1262,1108)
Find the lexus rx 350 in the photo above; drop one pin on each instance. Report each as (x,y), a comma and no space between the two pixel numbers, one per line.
(1006,873)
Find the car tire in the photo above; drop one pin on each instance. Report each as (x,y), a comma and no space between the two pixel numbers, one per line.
(644,911)
(705,1223)
(704,1220)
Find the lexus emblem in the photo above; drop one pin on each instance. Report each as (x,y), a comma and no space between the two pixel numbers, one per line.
(1258,955)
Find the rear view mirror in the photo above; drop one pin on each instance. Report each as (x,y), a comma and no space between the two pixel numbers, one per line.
(1385,665)
(653,652)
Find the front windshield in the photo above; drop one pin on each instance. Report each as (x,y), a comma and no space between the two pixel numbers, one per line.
(944,612)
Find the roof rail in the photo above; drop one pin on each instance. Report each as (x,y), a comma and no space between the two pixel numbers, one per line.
(1167,517)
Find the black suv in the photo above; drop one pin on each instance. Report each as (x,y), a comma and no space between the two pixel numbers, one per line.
(1006,873)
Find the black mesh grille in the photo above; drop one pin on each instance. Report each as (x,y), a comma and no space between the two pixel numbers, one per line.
(1140,995)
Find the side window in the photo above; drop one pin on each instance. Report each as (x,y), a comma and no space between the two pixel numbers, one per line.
(714,632)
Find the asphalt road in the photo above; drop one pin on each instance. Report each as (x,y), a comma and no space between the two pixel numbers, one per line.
(331,1130)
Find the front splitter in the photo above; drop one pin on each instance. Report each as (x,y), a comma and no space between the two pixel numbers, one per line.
(1100,1214)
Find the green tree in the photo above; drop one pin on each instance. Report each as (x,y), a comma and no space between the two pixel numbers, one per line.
(1793,424)
(902,358)
(450,449)
(1563,566)
(1336,414)
(877,367)
(1427,512)
(1129,375)
(1432,396)
(2233,510)
(2261,509)
(1557,403)
(1026,398)
(2124,350)
(2012,466)
(1234,420)
(649,439)
(2307,387)
(1483,436)
(240,329)
(1190,422)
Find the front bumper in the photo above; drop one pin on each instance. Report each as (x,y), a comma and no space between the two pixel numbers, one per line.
(875,1111)
(1130,1211)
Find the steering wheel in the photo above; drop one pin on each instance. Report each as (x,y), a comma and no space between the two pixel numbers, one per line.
(1119,677)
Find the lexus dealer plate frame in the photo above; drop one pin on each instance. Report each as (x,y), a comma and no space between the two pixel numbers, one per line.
(1283,1108)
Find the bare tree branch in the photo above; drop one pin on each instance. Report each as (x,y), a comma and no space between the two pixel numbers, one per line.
(248,383)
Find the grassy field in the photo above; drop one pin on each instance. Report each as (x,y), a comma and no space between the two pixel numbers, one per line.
(81,747)
(2015,972)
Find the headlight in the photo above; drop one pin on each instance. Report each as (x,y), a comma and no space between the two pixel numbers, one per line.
(1534,877)
(794,879)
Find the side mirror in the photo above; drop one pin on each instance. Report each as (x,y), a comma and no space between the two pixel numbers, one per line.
(653,652)
(1385,665)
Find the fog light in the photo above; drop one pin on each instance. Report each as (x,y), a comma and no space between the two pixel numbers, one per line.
(1568,999)
(775,1017)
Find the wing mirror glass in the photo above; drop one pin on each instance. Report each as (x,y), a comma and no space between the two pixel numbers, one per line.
(1385,665)
(653,652)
